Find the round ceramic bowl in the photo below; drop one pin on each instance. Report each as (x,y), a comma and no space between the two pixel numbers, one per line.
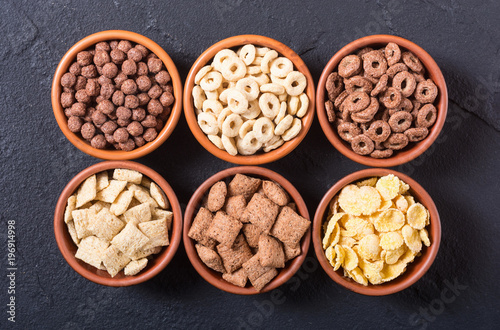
(414,270)
(409,153)
(214,277)
(62,120)
(260,157)
(68,248)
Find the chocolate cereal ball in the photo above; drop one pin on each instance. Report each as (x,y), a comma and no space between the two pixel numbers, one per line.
(142,69)
(109,127)
(82,96)
(129,67)
(101,57)
(129,87)
(162,77)
(128,145)
(144,51)
(124,45)
(98,141)
(139,141)
(135,128)
(123,113)
(103,45)
(155,92)
(119,79)
(131,101)
(123,122)
(75,124)
(84,58)
(134,54)
(92,87)
(150,134)
(98,118)
(149,121)
(89,71)
(106,107)
(154,64)
(81,83)
(155,107)
(68,80)
(118,98)
(107,90)
(109,138)
(143,83)
(138,114)
(117,56)
(67,100)
(78,109)
(88,131)
(75,69)
(110,70)
(102,80)
(121,135)
(143,99)
(166,99)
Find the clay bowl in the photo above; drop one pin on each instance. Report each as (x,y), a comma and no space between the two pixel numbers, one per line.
(414,271)
(409,153)
(214,277)
(234,42)
(82,144)
(68,248)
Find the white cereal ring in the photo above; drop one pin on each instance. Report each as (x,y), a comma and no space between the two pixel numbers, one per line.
(293,131)
(274,139)
(231,125)
(212,95)
(223,95)
(304,105)
(283,125)
(269,105)
(246,127)
(208,123)
(261,78)
(278,80)
(266,60)
(236,101)
(283,97)
(211,81)
(198,97)
(203,71)
(249,144)
(229,145)
(272,88)
(247,54)
(293,105)
(212,106)
(281,113)
(273,146)
(253,110)
(263,129)
(281,67)
(233,69)
(261,51)
(222,116)
(253,69)
(295,83)
(257,61)
(215,139)
(221,56)
(249,87)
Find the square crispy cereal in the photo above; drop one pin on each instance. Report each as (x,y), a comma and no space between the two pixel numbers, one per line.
(252,234)
(70,207)
(238,278)
(210,258)
(271,252)
(263,280)
(130,240)
(254,269)
(123,174)
(146,182)
(235,205)
(217,196)
(105,225)
(291,251)
(102,180)
(114,260)
(98,206)
(290,227)
(82,219)
(243,185)
(139,213)
(224,228)
(143,253)
(233,257)
(87,191)
(112,191)
(199,227)
(159,196)
(142,195)
(91,250)
(262,212)
(121,203)
(135,266)
(72,232)
(275,193)
(159,214)
(157,231)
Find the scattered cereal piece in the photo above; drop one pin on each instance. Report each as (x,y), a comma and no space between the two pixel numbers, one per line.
(391,240)
(388,186)
(82,219)
(235,205)
(389,220)
(199,227)
(417,216)
(157,231)
(252,234)
(424,236)
(102,180)
(72,232)
(139,213)
(412,238)
(105,225)
(291,251)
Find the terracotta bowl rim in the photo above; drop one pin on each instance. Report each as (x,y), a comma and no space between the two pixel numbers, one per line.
(68,248)
(108,154)
(205,57)
(415,270)
(215,278)
(399,157)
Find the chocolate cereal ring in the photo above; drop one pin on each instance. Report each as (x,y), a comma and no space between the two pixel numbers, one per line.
(356,102)
(362,145)
(379,154)
(379,131)
(381,85)
(427,116)
(347,131)
(405,82)
(405,105)
(363,51)
(349,66)
(373,80)
(412,61)
(374,63)
(340,99)
(367,114)
(330,111)
(416,134)
(396,141)
(358,84)
(334,85)
(394,69)
(391,98)
(400,121)
(426,91)
(392,53)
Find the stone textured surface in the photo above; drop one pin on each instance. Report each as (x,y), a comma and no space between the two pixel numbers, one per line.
(460,170)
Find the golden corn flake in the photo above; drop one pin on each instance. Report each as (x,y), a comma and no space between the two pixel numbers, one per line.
(330,255)
(357,275)
(385,205)
(333,207)
(346,241)
(340,254)
(389,220)
(388,186)
(401,203)
(371,270)
(347,233)
(403,187)
(367,182)
(392,256)
(408,256)
(424,236)
(360,227)
(410,200)
(391,240)
(358,201)
(390,272)
(332,234)
(412,238)
(350,259)
(417,216)
(369,247)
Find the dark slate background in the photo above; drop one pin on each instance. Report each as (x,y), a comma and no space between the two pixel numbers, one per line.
(460,170)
